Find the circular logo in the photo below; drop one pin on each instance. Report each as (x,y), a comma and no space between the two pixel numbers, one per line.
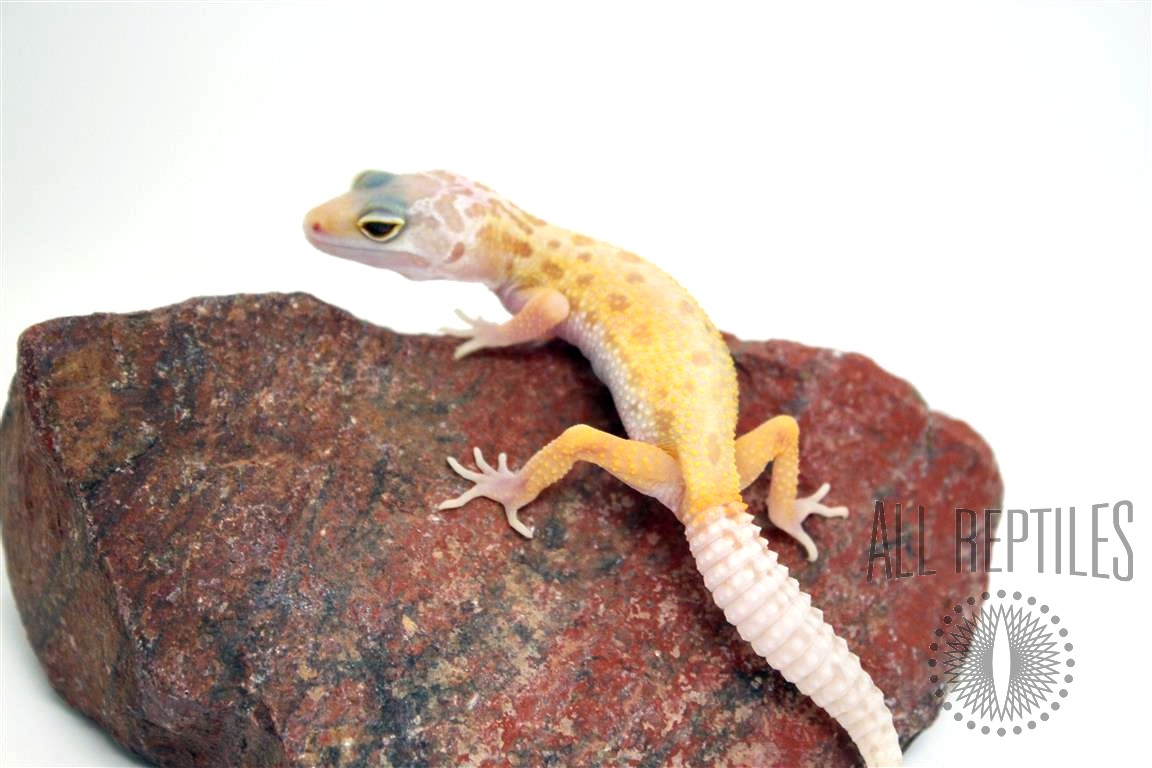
(1004,661)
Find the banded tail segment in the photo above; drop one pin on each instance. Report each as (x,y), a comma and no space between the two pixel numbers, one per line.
(771,612)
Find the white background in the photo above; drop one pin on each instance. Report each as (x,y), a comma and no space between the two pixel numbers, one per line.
(960,191)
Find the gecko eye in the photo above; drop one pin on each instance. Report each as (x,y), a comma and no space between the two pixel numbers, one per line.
(380,227)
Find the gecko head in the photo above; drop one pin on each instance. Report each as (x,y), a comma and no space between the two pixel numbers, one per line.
(423,226)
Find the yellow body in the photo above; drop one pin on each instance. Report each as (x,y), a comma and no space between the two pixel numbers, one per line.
(668,368)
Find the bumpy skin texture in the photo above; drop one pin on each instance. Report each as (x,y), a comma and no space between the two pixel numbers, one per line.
(674,386)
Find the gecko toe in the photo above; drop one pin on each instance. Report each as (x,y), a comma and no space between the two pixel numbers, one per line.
(463,471)
(460,500)
(527,531)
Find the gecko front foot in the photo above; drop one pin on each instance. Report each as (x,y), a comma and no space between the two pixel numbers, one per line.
(792,521)
(497,483)
(480,334)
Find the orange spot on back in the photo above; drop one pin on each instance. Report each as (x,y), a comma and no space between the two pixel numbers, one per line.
(553,244)
(585,279)
(701,358)
(618,302)
(584,256)
(635,277)
(582,240)
(521,249)
(552,269)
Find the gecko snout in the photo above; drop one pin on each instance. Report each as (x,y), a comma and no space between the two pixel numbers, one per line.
(313,226)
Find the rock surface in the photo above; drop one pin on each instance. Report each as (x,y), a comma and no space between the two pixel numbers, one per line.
(220,526)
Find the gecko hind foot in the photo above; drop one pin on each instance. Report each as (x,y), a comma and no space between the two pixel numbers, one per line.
(498,483)
(802,508)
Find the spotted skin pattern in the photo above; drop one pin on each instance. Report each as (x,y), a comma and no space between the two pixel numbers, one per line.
(674,386)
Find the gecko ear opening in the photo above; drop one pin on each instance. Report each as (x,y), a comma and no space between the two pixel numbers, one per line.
(380,227)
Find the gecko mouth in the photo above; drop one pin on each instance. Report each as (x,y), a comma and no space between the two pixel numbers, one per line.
(373,256)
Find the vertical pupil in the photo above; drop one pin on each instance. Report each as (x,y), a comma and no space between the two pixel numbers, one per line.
(379,228)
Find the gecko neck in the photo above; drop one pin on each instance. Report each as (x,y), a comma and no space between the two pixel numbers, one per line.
(524,252)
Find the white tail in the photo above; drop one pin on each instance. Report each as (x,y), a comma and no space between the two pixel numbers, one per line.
(770,611)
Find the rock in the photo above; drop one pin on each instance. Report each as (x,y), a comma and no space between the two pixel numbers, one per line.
(221,529)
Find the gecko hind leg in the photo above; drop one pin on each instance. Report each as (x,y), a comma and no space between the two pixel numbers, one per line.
(778,441)
(642,466)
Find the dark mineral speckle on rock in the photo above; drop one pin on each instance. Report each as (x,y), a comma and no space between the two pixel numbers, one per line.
(221,530)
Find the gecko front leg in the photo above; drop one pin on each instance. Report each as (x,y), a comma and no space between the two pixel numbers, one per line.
(543,310)
(642,466)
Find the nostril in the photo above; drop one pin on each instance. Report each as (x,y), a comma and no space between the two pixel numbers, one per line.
(316,227)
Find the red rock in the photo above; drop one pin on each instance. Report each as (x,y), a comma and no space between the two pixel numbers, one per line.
(220,526)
